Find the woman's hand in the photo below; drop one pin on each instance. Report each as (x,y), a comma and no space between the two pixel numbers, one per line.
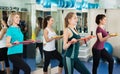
(57,37)
(73,41)
(16,42)
(3,23)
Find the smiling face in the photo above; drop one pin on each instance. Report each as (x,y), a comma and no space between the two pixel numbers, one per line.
(73,20)
(50,21)
(16,19)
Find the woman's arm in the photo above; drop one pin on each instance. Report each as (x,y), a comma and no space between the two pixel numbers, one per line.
(46,36)
(4,28)
(8,39)
(66,44)
(101,38)
(3,31)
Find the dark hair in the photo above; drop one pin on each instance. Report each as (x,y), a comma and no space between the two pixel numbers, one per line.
(40,20)
(98,18)
(45,22)
(68,16)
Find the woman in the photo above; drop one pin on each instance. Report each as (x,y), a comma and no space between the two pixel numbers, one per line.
(39,34)
(71,45)
(3,48)
(14,35)
(98,49)
(50,51)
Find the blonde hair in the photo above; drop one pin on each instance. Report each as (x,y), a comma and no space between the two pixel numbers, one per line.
(10,18)
(68,16)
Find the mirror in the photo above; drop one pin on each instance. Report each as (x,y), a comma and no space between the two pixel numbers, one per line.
(40,15)
(82,26)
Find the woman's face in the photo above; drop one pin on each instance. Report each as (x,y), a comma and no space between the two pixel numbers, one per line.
(73,20)
(16,19)
(51,21)
(103,21)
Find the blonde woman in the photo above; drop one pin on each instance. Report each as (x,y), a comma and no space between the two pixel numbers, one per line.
(14,35)
(71,45)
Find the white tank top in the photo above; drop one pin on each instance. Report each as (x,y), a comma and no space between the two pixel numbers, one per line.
(50,46)
(3,41)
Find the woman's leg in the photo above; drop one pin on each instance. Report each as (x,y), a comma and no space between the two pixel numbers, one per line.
(105,55)
(57,55)
(41,50)
(40,46)
(68,65)
(2,59)
(18,63)
(80,67)
(47,61)
(6,61)
(96,58)
(2,65)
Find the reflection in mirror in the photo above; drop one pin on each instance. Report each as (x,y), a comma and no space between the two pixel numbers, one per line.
(84,22)
(79,24)
(40,15)
(82,26)
(39,36)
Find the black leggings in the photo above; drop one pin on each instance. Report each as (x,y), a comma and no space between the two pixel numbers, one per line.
(18,63)
(4,56)
(97,54)
(40,45)
(52,55)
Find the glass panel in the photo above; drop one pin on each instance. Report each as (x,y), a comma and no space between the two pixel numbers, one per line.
(82,26)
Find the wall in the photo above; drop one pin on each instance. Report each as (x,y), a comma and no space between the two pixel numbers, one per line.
(108,3)
(113,26)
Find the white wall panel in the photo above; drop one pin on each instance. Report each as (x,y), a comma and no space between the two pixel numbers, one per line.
(113,26)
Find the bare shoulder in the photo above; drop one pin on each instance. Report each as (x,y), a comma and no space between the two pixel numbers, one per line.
(67,30)
(45,30)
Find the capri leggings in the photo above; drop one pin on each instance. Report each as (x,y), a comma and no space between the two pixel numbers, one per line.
(40,45)
(52,55)
(3,56)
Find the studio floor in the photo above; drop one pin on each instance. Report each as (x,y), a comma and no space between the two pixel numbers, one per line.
(102,69)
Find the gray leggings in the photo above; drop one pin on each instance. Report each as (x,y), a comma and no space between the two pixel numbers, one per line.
(70,64)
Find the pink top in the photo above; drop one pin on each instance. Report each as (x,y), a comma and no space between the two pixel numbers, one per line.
(100,45)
